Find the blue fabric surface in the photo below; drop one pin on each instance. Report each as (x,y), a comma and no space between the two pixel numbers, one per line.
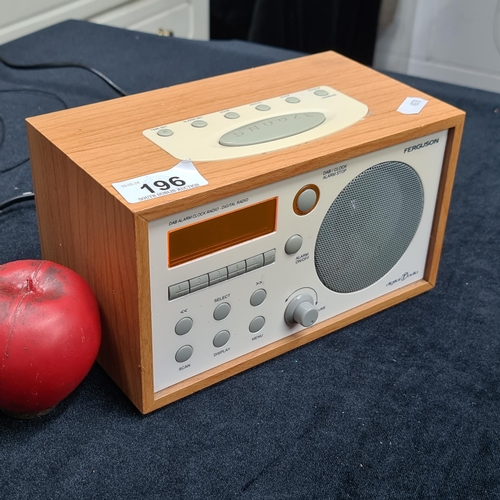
(402,405)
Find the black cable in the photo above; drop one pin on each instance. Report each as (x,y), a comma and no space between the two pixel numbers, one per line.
(37,91)
(8,169)
(96,72)
(113,85)
(17,199)
(2,122)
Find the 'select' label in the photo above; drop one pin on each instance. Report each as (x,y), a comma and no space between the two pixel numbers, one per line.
(182,177)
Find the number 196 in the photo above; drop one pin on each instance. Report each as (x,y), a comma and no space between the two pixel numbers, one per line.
(164,185)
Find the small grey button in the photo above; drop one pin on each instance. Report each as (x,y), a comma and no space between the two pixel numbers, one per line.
(258,297)
(236,269)
(232,115)
(256,324)
(255,262)
(165,132)
(221,338)
(199,123)
(184,353)
(198,283)
(183,326)
(320,92)
(218,276)
(292,100)
(262,107)
(178,290)
(306,200)
(221,311)
(293,244)
(269,257)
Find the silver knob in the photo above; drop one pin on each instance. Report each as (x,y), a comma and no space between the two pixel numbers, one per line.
(301,309)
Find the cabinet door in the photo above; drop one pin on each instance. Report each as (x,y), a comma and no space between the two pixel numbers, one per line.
(20,17)
(181,18)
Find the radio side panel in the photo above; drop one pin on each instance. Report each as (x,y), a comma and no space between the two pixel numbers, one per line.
(84,228)
(444,199)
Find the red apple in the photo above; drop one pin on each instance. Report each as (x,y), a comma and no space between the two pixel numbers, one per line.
(50,333)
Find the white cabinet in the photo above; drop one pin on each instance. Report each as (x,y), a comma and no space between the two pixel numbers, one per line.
(183,18)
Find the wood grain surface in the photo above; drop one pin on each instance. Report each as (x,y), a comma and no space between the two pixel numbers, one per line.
(86,225)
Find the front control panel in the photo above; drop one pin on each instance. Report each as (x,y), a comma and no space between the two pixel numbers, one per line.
(262,285)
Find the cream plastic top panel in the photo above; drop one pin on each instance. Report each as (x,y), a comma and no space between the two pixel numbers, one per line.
(259,127)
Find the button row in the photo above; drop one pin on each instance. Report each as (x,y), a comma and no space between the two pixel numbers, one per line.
(221,312)
(232,115)
(222,274)
(220,339)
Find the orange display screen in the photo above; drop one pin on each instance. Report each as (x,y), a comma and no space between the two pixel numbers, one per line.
(211,235)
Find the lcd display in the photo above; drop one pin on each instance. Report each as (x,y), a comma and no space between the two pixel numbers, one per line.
(211,235)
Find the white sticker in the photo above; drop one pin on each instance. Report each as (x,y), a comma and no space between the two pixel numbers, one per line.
(147,187)
(412,105)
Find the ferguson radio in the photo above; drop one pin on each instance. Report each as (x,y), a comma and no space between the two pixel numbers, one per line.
(226,221)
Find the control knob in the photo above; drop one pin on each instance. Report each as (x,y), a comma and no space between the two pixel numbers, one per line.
(301,309)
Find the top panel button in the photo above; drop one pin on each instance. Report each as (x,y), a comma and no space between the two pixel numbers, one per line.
(292,100)
(320,92)
(165,132)
(262,107)
(272,129)
(199,123)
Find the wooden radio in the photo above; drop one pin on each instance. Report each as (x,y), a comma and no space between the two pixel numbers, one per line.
(226,221)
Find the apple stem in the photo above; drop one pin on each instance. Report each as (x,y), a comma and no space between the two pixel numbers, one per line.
(29,284)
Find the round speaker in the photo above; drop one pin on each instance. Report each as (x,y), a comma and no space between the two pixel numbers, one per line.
(369,226)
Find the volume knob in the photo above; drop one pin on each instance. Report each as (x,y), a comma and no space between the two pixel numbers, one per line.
(301,310)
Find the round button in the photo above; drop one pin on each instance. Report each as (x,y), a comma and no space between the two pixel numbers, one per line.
(232,115)
(183,326)
(199,123)
(258,297)
(292,100)
(221,311)
(293,244)
(320,92)
(262,107)
(306,200)
(184,353)
(256,324)
(221,338)
(165,132)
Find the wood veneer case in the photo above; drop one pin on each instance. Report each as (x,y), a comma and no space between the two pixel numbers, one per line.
(85,223)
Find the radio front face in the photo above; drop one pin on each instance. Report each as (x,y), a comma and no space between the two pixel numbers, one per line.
(230,277)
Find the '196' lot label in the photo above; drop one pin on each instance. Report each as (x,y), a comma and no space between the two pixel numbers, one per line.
(182,177)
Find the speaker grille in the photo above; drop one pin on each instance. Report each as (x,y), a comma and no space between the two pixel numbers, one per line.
(369,226)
